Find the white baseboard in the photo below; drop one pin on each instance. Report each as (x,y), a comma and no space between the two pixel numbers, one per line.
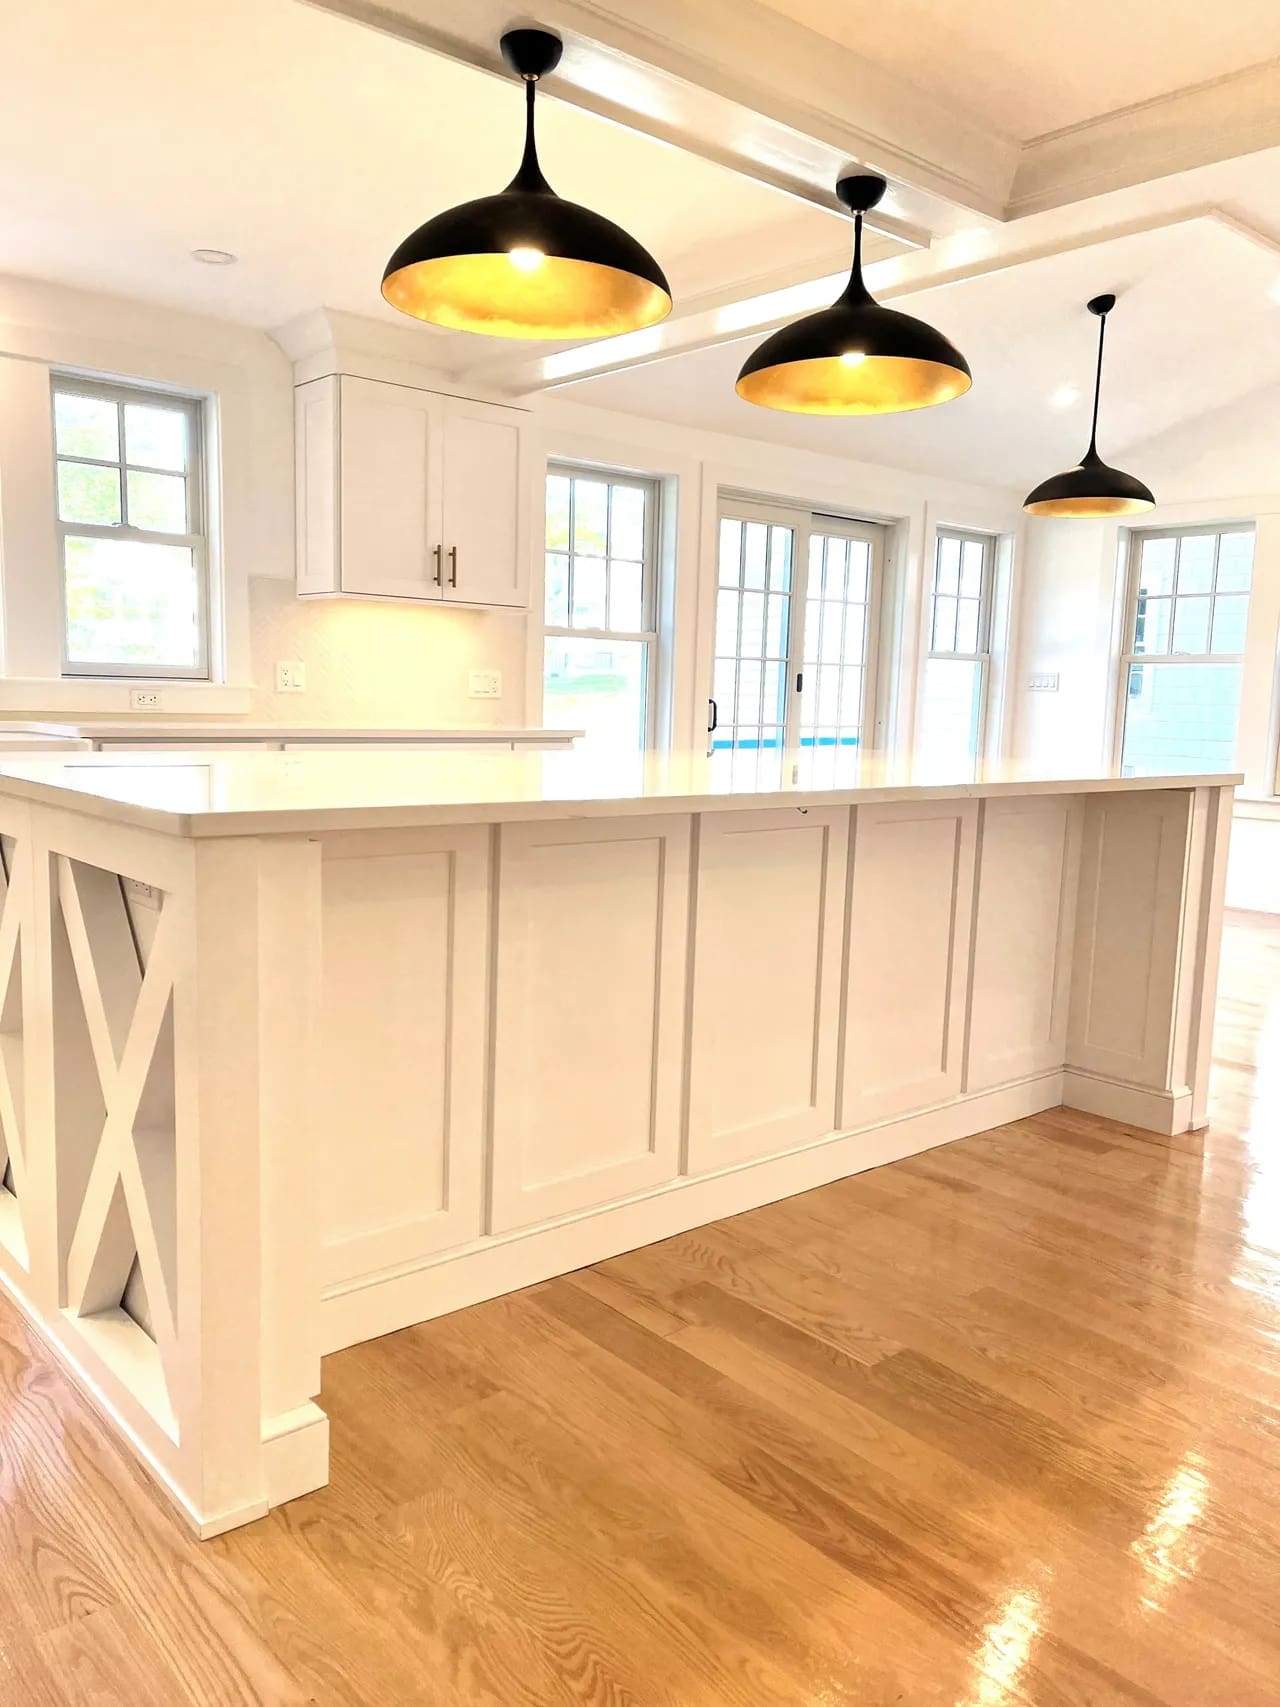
(372,1304)
(1166,1112)
(295,1452)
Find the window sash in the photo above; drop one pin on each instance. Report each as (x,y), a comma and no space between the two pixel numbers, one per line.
(987,543)
(194,540)
(1171,660)
(648,635)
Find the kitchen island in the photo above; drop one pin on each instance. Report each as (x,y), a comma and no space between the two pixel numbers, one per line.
(297,1049)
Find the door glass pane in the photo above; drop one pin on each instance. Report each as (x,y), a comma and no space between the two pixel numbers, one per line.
(132,603)
(749,667)
(836,629)
(597,686)
(950,717)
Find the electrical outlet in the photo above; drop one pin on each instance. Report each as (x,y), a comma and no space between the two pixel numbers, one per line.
(291,676)
(485,684)
(144,699)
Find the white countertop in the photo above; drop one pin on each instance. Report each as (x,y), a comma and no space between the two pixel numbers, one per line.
(143,728)
(254,793)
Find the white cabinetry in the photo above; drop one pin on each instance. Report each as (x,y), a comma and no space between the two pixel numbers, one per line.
(589,1013)
(767,943)
(402,1044)
(908,956)
(405,494)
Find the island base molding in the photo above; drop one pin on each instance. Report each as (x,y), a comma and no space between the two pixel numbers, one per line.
(369,1305)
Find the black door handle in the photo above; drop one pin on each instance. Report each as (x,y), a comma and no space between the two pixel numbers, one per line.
(714,724)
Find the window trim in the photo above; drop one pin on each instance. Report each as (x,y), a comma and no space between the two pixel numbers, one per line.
(1133,542)
(983,657)
(648,636)
(196,540)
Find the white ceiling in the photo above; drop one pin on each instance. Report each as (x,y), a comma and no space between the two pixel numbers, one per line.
(1196,326)
(136,131)
(1029,66)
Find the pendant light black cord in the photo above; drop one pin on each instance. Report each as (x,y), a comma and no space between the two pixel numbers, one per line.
(856,290)
(1097,388)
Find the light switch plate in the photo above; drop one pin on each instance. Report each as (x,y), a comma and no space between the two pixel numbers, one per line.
(1047,683)
(484,684)
(291,675)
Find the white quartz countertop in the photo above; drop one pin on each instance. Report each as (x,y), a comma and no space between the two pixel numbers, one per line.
(160,729)
(254,793)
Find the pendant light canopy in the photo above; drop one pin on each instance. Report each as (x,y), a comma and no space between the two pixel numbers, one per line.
(855,358)
(525,263)
(1091,488)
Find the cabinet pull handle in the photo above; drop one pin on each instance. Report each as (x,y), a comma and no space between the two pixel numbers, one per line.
(439,554)
(453,565)
(713,717)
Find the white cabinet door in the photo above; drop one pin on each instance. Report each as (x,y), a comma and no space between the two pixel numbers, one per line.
(1028,876)
(589,1013)
(768,938)
(390,495)
(910,909)
(403,1032)
(485,530)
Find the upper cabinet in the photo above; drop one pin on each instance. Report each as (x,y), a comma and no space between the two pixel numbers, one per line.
(405,494)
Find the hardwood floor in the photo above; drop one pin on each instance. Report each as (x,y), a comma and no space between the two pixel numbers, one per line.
(999,1424)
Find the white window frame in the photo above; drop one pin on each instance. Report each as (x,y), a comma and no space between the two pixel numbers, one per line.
(648,635)
(986,596)
(804,523)
(1135,539)
(196,539)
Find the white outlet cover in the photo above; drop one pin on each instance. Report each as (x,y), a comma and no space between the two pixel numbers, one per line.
(144,699)
(484,684)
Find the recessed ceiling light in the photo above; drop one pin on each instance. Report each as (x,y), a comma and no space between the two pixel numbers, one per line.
(215,257)
(1065,397)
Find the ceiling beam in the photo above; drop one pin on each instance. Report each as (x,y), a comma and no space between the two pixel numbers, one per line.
(735,83)
(726,317)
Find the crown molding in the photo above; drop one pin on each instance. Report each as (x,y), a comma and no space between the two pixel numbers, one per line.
(1219,120)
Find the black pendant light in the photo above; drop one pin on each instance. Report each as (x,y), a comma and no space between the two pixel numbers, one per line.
(1091,488)
(525,263)
(855,358)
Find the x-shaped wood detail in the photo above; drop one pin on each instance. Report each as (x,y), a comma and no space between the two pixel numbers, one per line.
(129,1198)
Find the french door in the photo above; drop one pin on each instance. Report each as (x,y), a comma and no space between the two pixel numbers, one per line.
(797,616)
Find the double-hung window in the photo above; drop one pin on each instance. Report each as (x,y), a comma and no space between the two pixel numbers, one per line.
(1186,615)
(130,516)
(600,644)
(957,669)
(796,618)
